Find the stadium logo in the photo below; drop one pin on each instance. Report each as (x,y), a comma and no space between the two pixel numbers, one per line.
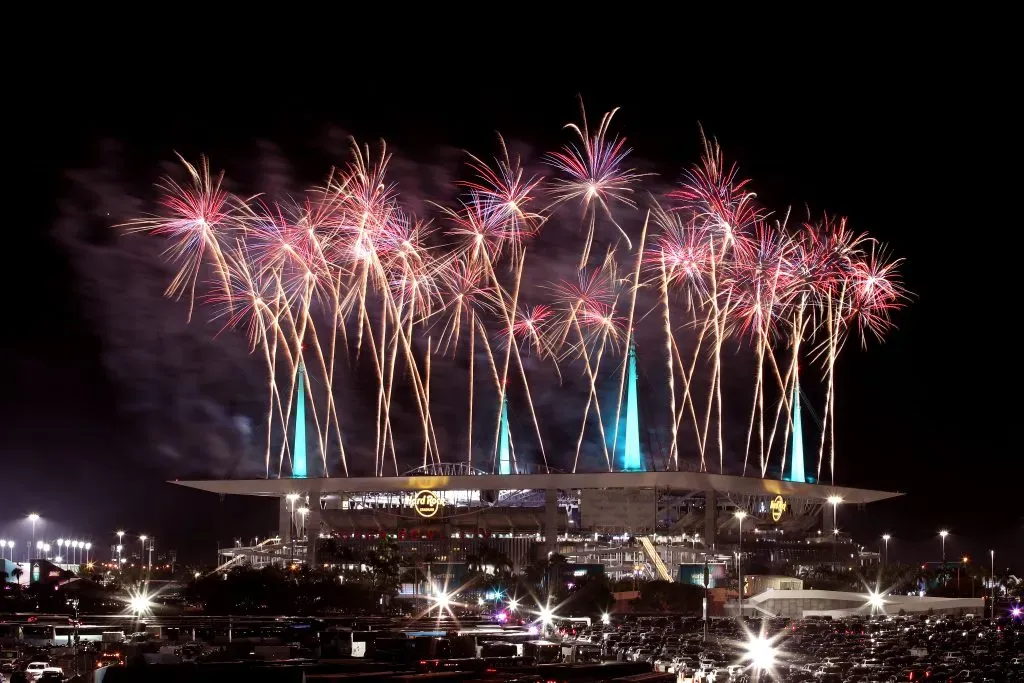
(427,503)
(778,507)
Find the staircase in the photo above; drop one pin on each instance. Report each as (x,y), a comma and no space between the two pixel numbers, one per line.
(652,555)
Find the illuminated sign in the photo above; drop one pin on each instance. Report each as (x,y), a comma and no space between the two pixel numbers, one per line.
(778,507)
(427,503)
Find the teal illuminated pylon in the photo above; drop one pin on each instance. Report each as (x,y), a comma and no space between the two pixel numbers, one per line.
(796,451)
(299,451)
(632,460)
(504,457)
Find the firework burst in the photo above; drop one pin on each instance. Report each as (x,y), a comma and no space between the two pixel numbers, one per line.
(344,274)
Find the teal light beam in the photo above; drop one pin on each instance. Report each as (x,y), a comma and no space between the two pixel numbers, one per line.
(796,453)
(504,461)
(632,459)
(299,451)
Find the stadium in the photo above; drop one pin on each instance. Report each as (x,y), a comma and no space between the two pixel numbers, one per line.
(677,517)
(380,333)
(634,522)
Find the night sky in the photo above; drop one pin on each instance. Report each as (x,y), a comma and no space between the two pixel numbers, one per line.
(909,155)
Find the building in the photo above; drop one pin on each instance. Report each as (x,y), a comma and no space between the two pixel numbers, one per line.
(799,604)
(755,585)
(630,522)
(633,520)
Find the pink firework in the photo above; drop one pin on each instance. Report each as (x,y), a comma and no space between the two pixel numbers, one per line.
(506,193)
(595,169)
(595,174)
(601,325)
(719,200)
(530,326)
(465,295)
(760,280)
(592,287)
(252,301)
(876,293)
(281,249)
(478,228)
(827,250)
(195,217)
(681,253)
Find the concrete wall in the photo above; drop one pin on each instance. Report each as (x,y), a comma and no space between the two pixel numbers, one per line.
(755,584)
(800,603)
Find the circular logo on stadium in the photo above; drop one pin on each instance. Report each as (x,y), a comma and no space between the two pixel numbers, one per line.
(778,507)
(426,503)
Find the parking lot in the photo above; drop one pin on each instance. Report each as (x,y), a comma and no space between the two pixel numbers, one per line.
(892,648)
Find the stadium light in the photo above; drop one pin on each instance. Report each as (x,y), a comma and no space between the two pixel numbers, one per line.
(443,601)
(760,653)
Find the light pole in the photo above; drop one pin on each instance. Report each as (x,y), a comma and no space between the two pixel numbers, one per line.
(142,555)
(88,547)
(303,511)
(3,549)
(886,537)
(120,546)
(33,518)
(992,610)
(740,515)
(835,501)
(942,535)
(291,497)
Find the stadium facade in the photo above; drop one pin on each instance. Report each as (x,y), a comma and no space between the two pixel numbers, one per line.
(628,521)
(634,520)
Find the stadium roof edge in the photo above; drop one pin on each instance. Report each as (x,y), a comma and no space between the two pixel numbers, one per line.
(677,481)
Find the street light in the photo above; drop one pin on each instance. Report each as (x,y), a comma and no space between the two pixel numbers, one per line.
(834,501)
(992,556)
(760,653)
(142,557)
(740,515)
(88,547)
(942,535)
(886,537)
(876,601)
(33,518)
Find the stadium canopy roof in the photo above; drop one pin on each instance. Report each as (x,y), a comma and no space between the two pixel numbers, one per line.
(670,481)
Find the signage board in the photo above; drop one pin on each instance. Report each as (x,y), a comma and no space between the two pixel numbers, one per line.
(778,507)
(427,503)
